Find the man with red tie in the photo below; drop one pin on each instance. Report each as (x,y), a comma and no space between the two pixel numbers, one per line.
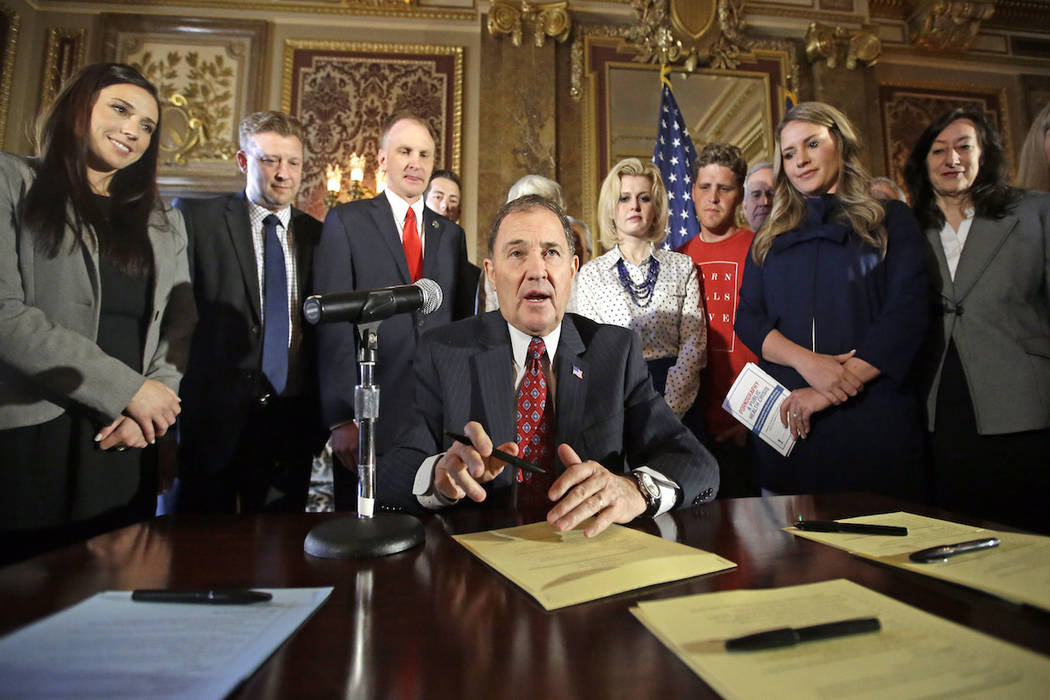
(392,239)
(569,395)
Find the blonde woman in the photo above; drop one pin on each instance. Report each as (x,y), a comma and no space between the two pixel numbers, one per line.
(835,304)
(1033,172)
(640,286)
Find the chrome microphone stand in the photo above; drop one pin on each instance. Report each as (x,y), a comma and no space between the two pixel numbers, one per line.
(368,533)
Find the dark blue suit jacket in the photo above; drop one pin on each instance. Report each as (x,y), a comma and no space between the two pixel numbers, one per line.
(361,249)
(605,407)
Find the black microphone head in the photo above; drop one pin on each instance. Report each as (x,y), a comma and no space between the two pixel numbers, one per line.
(432,296)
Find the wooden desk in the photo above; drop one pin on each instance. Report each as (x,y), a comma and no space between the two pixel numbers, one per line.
(435,622)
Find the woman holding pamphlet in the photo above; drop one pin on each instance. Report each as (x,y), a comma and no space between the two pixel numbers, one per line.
(835,304)
(987,364)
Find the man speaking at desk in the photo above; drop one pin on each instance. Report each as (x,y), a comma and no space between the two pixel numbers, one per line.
(528,379)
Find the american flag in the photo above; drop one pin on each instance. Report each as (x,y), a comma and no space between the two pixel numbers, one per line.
(675,156)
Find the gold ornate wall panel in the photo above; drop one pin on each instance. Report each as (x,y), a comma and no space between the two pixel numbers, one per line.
(342,92)
(209,75)
(908,108)
(63,56)
(9,23)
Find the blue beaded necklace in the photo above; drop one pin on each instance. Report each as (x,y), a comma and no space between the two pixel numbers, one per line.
(641,294)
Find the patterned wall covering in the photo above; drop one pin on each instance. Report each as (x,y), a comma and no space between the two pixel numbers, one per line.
(344,91)
(907,109)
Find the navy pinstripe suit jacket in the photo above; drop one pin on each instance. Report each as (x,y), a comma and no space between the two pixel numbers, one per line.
(606,407)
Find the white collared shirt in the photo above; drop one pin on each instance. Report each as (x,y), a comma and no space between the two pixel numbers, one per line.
(400,208)
(953,241)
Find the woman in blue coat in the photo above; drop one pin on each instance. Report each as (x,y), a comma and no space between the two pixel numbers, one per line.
(836,307)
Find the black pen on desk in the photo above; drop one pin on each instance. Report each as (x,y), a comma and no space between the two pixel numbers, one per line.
(855,528)
(205,597)
(500,454)
(790,636)
(944,551)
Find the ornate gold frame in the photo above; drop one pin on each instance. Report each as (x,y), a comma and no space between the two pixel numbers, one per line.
(293,45)
(10,51)
(367,8)
(55,36)
(204,167)
(946,89)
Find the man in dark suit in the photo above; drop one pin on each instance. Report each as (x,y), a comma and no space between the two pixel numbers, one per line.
(621,451)
(250,421)
(392,239)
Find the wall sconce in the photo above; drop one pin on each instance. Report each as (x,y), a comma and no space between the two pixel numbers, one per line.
(357,177)
(334,180)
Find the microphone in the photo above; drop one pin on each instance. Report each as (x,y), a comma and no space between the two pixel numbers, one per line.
(369,305)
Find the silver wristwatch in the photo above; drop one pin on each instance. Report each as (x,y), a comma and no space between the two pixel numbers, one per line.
(650,492)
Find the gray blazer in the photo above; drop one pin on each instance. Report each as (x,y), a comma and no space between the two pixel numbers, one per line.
(49,311)
(997,311)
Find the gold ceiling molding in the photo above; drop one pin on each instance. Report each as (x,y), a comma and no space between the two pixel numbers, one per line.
(948,25)
(694,33)
(367,8)
(829,44)
(545,19)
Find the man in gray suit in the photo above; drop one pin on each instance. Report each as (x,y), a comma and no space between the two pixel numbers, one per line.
(250,423)
(621,453)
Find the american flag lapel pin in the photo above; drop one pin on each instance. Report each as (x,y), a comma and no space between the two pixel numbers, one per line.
(577,372)
(433,224)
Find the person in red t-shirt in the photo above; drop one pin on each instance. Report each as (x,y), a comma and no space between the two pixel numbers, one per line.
(720,251)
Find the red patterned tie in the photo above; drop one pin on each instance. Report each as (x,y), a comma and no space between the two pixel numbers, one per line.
(535,429)
(413,246)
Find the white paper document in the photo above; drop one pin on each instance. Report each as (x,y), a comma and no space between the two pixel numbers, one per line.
(109,646)
(754,400)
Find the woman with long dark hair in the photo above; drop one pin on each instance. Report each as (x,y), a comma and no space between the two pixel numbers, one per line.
(96,313)
(988,358)
(835,304)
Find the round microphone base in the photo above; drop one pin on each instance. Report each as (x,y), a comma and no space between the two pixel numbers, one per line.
(354,537)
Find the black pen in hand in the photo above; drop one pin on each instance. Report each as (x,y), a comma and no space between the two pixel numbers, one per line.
(500,454)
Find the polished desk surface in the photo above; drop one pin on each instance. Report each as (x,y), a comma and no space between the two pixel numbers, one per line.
(435,622)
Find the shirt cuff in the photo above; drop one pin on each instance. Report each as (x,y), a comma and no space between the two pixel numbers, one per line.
(423,487)
(668,489)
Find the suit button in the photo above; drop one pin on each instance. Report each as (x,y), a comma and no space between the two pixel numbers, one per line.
(420,323)
(249,374)
(703,496)
(264,400)
(254,330)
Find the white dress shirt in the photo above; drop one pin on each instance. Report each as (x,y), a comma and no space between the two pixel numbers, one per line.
(400,208)
(953,241)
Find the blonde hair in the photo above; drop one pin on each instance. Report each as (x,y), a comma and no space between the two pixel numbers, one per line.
(1033,171)
(610,196)
(862,212)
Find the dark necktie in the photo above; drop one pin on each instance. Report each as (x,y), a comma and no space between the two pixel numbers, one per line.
(275,307)
(535,429)
(413,246)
